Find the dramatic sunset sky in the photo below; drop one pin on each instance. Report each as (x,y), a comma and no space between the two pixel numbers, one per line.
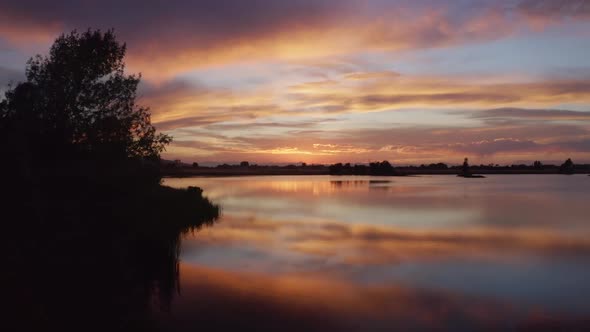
(322,81)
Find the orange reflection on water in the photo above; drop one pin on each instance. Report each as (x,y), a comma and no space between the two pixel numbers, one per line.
(296,303)
(226,301)
(411,252)
(367,244)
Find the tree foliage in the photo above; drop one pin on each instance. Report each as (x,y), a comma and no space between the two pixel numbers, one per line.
(383,168)
(567,167)
(78,103)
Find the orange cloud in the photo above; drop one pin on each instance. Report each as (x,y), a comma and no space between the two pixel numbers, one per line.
(541,13)
(512,132)
(348,33)
(185,35)
(436,92)
(177,105)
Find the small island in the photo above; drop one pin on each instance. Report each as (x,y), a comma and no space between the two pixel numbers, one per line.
(466,172)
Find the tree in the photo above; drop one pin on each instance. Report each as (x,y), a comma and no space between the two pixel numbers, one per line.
(567,167)
(335,169)
(437,166)
(381,168)
(244,164)
(78,103)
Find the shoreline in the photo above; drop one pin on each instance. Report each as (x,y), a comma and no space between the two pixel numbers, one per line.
(215,172)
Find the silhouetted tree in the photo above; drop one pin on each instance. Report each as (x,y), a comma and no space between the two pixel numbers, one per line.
(360,170)
(195,165)
(376,168)
(336,169)
(567,167)
(77,102)
(437,166)
(244,164)
(381,168)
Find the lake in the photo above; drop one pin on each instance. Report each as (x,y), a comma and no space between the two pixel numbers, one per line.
(355,253)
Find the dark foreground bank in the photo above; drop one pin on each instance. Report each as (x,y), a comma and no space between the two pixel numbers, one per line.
(88,256)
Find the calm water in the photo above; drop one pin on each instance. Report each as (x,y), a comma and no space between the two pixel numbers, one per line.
(369,253)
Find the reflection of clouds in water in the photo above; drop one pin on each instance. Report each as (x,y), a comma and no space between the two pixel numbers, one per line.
(287,302)
(357,183)
(522,266)
(234,301)
(417,202)
(370,245)
(511,238)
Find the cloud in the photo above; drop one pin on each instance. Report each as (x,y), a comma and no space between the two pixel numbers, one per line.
(317,62)
(532,114)
(377,101)
(579,145)
(231,124)
(555,8)
(178,104)
(255,125)
(9,77)
(182,35)
(490,147)
(501,142)
(435,92)
(386,74)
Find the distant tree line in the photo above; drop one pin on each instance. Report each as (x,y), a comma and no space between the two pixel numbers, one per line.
(383,168)
(242,165)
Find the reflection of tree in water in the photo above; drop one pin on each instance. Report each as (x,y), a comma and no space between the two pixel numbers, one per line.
(358,183)
(94,261)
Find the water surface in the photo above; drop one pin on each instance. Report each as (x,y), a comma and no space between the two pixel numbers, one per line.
(358,253)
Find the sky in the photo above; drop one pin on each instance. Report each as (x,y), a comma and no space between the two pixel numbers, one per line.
(324,81)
